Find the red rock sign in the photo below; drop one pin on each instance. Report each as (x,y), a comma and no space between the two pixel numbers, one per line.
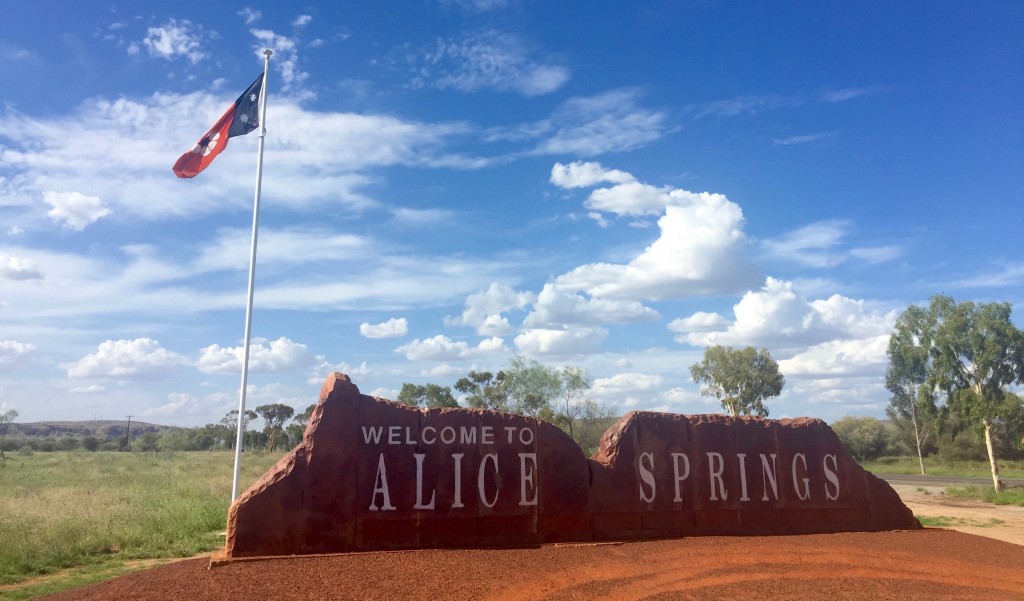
(375,474)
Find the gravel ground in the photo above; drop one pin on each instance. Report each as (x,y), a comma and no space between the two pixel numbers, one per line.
(929,564)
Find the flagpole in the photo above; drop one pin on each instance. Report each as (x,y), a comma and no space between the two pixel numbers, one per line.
(252,278)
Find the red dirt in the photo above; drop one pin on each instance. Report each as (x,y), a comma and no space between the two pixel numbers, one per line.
(928,564)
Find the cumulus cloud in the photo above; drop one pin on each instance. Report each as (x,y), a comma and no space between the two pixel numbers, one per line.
(175,39)
(778,317)
(484,310)
(559,308)
(276,356)
(538,342)
(141,358)
(442,348)
(14,353)
(584,175)
(489,59)
(322,369)
(392,328)
(14,268)
(699,252)
(74,210)
(839,358)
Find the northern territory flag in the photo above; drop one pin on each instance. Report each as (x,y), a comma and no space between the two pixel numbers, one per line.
(240,119)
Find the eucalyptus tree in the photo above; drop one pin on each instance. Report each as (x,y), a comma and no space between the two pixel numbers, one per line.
(427,395)
(977,353)
(274,416)
(740,378)
(485,390)
(912,406)
(6,418)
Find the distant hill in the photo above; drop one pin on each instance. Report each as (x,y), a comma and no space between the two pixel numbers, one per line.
(101,429)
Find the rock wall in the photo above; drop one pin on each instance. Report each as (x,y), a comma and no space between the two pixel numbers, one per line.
(375,474)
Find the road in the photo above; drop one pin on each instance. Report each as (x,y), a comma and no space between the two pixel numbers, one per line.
(943,481)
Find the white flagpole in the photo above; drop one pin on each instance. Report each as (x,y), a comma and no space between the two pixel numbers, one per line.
(252,278)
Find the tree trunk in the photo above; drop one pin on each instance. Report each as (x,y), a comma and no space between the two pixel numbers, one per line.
(992,456)
(917,435)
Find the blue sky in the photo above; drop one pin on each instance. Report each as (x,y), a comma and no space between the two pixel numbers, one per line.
(447,183)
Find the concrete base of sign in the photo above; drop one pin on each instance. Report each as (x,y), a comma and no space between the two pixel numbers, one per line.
(373,474)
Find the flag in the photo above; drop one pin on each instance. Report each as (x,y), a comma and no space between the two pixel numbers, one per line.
(241,118)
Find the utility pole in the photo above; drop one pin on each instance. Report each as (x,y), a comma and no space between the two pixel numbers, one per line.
(128,434)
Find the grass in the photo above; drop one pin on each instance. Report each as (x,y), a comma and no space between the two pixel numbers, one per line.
(1007,496)
(98,512)
(946,522)
(937,466)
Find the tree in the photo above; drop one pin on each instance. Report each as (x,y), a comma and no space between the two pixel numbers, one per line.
(485,390)
(5,423)
(977,353)
(230,419)
(912,407)
(427,395)
(740,379)
(303,418)
(864,437)
(531,387)
(274,416)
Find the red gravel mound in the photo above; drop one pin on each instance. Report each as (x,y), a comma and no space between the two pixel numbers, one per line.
(927,564)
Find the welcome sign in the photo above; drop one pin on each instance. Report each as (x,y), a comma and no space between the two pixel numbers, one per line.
(374,474)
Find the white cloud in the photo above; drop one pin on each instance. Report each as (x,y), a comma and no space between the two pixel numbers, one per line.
(276,356)
(699,252)
(74,210)
(14,268)
(484,310)
(839,358)
(877,254)
(745,106)
(607,122)
(778,317)
(442,348)
(489,59)
(811,245)
(286,58)
(624,384)
(392,328)
(14,353)
(322,369)
(584,175)
(559,308)
(141,358)
(560,343)
(175,39)
(302,21)
(804,138)
(250,15)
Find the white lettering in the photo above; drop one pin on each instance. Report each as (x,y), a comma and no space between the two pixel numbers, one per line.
(647,476)
(393,433)
(423,435)
(480,479)
(742,458)
(527,476)
(807,488)
(523,439)
(419,485)
(374,433)
(450,437)
(768,476)
(686,472)
(510,430)
(380,485)
(408,436)
(830,475)
(468,435)
(457,458)
(487,435)
(716,475)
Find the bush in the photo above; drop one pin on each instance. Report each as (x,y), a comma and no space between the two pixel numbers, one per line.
(863,437)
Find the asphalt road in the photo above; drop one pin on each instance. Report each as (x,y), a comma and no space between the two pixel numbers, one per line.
(944,481)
